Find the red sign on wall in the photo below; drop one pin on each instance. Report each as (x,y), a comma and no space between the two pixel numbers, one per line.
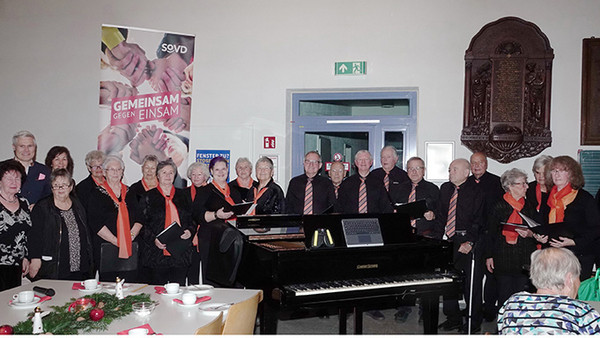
(269,142)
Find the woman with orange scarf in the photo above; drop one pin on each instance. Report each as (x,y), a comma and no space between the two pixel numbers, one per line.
(537,194)
(267,194)
(244,182)
(161,207)
(510,246)
(209,210)
(198,174)
(111,216)
(576,208)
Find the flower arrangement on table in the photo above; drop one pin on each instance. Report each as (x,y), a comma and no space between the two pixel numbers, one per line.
(89,313)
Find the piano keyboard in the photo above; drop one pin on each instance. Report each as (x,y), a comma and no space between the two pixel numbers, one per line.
(352,285)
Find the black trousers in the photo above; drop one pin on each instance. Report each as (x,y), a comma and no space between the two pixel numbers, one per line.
(463,263)
(10,276)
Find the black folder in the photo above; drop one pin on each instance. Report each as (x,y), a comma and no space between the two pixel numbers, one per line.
(171,237)
(239,209)
(414,209)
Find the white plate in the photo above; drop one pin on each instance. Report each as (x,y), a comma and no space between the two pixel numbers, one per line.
(172,294)
(110,287)
(200,289)
(36,300)
(93,290)
(212,307)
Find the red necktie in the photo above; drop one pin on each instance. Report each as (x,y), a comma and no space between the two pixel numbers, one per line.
(412,198)
(451,223)
(362,197)
(308,197)
(386,181)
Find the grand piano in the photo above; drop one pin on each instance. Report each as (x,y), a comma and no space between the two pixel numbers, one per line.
(280,257)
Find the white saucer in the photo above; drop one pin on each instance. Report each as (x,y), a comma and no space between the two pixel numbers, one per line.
(200,288)
(185,305)
(93,290)
(214,307)
(111,287)
(36,300)
(173,294)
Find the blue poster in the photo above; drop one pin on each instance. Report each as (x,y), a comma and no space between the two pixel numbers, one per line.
(204,156)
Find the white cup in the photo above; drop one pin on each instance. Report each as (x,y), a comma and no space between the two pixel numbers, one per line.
(172,288)
(140,331)
(90,284)
(188,298)
(24,297)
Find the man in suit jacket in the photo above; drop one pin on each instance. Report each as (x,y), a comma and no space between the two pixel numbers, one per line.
(492,191)
(462,217)
(427,225)
(322,194)
(37,183)
(349,192)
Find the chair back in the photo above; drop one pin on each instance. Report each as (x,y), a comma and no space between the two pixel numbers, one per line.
(241,317)
(214,327)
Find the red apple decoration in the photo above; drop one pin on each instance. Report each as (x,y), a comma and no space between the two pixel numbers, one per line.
(6,329)
(96,314)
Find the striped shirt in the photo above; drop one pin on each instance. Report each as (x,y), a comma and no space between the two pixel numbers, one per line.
(526,313)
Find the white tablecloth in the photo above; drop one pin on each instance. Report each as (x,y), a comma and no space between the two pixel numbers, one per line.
(168,317)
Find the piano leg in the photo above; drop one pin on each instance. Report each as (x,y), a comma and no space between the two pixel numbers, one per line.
(358,321)
(268,318)
(431,310)
(343,316)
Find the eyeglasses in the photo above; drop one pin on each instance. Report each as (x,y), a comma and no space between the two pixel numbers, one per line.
(115,170)
(61,187)
(95,167)
(558,171)
(520,183)
(311,162)
(415,169)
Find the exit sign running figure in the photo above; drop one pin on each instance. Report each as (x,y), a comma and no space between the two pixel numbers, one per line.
(351,68)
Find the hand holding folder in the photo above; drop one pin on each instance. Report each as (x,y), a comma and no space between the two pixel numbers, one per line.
(171,237)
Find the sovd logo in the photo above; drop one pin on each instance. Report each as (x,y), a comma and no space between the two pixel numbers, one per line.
(171,48)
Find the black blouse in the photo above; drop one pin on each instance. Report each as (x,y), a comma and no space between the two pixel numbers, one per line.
(209,198)
(272,200)
(14,227)
(152,217)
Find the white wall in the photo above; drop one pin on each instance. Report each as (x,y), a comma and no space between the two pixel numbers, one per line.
(249,52)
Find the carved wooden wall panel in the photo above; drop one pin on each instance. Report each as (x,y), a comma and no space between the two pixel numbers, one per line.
(508,72)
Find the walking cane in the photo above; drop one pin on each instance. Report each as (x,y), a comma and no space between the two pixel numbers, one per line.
(470,313)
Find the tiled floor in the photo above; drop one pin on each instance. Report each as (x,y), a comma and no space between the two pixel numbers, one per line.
(316,325)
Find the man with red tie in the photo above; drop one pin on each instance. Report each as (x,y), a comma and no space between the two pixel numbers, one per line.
(337,173)
(461,205)
(417,189)
(310,193)
(362,193)
(390,174)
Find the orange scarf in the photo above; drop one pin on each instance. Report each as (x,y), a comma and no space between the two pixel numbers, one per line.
(507,231)
(538,195)
(171,214)
(257,195)
(123,227)
(240,183)
(225,191)
(558,201)
(193,192)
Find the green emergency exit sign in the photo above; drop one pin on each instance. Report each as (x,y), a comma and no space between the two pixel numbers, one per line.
(351,68)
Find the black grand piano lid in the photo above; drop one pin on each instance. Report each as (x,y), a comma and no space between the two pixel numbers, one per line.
(395,228)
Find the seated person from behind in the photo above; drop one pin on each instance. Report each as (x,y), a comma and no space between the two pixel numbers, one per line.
(553,309)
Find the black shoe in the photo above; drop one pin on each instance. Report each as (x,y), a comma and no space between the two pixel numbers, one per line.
(463,329)
(375,314)
(450,325)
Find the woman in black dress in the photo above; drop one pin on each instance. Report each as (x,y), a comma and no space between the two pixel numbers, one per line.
(111,218)
(509,246)
(537,194)
(59,243)
(161,207)
(198,174)
(15,223)
(209,210)
(243,182)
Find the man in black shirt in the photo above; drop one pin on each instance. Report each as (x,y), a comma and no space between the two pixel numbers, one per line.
(492,190)
(322,196)
(389,171)
(461,205)
(427,225)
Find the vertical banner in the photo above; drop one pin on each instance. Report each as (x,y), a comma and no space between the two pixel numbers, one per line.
(145,97)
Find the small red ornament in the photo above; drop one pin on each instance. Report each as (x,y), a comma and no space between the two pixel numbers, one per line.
(96,314)
(6,329)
